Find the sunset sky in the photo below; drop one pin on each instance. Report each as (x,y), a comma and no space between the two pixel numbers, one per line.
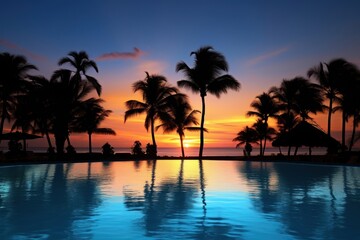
(264,42)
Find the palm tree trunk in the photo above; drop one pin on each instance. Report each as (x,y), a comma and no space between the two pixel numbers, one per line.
(90,147)
(343,145)
(352,134)
(329,116)
(202,127)
(2,118)
(261,147)
(48,140)
(289,150)
(182,146)
(263,153)
(296,150)
(153,133)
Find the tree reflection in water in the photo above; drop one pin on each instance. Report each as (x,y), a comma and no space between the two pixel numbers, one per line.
(51,204)
(304,199)
(170,201)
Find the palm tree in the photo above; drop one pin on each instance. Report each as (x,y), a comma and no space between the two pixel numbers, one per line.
(40,97)
(90,114)
(247,136)
(155,94)
(13,71)
(265,107)
(179,117)
(328,79)
(206,77)
(265,133)
(66,94)
(81,62)
(348,101)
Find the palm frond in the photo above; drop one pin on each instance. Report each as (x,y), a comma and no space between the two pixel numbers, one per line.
(133,112)
(222,84)
(104,131)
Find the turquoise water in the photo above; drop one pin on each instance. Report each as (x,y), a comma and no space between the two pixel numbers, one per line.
(171,199)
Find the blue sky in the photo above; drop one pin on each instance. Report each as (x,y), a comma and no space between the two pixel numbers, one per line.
(263,41)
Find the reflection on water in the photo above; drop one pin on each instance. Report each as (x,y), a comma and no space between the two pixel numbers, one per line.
(179,200)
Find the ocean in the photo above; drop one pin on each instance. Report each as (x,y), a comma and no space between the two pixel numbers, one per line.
(176,152)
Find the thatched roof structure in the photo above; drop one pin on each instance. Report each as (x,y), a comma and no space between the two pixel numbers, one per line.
(306,134)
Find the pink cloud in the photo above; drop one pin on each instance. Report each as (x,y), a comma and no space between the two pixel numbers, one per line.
(267,56)
(121,55)
(13,46)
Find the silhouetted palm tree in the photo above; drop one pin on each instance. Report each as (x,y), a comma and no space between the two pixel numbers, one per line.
(299,96)
(265,107)
(348,101)
(265,133)
(13,71)
(328,79)
(247,136)
(155,94)
(81,62)
(67,93)
(206,77)
(90,114)
(179,117)
(40,97)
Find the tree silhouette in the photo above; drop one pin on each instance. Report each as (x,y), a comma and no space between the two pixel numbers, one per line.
(328,78)
(155,94)
(206,77)
(40,97)
(90,114)
(247,136)
(81,62)
(265,107)
(179,118)
(264,132)
(348,102)
(13,71)
(67,93)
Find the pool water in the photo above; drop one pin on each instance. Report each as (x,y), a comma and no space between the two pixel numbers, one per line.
(174,199)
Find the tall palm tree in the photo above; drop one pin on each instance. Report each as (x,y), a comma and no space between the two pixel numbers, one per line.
(348,101)
(206,77)
(328,79)
(155,93)
(13,73)
(40,97)
(265,107)
(67,93)
(81,62)
(90,114)
(247,136)
(179,117)
(264,133)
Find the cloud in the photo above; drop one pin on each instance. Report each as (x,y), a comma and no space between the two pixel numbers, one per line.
(267,56)
(121,55)
(24,51)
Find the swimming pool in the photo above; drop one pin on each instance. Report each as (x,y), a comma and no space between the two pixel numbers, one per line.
(179,200)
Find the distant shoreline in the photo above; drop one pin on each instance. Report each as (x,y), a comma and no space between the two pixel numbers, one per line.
(348,159)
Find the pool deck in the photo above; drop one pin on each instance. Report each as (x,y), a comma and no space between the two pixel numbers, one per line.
(351,159)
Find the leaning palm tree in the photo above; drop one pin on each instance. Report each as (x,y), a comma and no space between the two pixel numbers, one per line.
(13,73)
(81,62)
(265,107)
(90,114)
(247,136)
(155,94)
(179,117)
(206,77)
